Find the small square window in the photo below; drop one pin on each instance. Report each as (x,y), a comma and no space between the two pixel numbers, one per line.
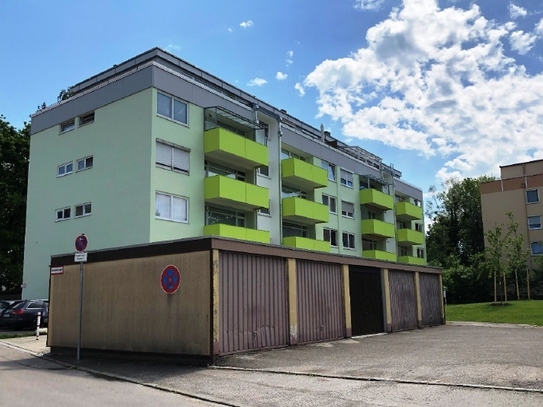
(85,163)
(330,235)
(65,169)
(347,209)
(348,240)
(534,222)
(532,196)
(330,169)
(67,126)
(171,207)
(83,210)
(63,214)
(536,248)
(171,108)
(346,178)
(86,119)
(329,201)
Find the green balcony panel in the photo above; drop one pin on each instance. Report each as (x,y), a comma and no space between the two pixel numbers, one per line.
(408,211)
(303,211)
(306,243)
(410,236)
(236,194)
(237,232)
(374,227)
(377,199)
(379,255)
(412,260)
(299,174)
(228,148)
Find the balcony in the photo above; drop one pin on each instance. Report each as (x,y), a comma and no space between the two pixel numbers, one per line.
(308,244)
(408,211)
(374,227)
(300,210)
(409,236)
(225,147)
(236,232)
(379,255)
(236,194)
(299,174)
(377,199)
(417,261)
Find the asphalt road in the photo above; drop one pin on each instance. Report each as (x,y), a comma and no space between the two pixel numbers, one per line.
(443,366)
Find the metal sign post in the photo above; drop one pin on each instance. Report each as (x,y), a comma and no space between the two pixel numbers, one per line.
(81,243)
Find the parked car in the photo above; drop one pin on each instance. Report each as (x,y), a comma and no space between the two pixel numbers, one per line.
(5,304)
(24,314)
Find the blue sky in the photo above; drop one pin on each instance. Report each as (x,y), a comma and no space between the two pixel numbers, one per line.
(439,88)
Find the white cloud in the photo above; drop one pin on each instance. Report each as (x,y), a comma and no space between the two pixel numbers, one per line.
(368,4)
(173,48)
(289,60)
(257,82)
(516,11)
(246,24)
(539,28)
(438,81)
(230,30)
(522,42)
(300,89)
(280,76)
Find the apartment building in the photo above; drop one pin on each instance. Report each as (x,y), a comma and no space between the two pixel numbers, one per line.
(517,191)
(155,149)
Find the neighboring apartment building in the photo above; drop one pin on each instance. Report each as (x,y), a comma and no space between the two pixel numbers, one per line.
(155,149)
(518,192)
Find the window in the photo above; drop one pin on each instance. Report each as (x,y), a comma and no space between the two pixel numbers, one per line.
(289,154)
(329,201)
(293,229)
(419,227)
(172,158)
(347,209)
(264,211)
(372,215)
(330,235)
(534,222)
(224,216)
(404,251)
(368,244)
(83,210)
(536,248)
(532,196)
(172,108)
(264,170)
(171,207)
(86,119)
(420,253)
(331,169)
(67,126)
(348,240)
(63,213)
(65,169)
(214,169)
(85,163)
(346,178)
(288,192)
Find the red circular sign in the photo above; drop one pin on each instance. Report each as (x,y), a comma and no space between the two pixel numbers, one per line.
(81,243)
(170,279)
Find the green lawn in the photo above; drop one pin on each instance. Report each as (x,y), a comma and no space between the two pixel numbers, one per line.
(515,312)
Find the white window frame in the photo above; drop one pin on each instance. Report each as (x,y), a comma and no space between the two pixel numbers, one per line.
(331,202)
(85,161)
(65,167)
(420,253)
(171,116)
(351,239)
(346,213)
(172,199)
(171,162)
(330,170)
(537,193)
(346,178)
(536,225)
(65,214)
(86,118)
(330,233)
(536,244)
(86,210)
(67,126)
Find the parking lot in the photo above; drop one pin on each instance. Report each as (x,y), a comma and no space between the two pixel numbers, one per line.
(472,364)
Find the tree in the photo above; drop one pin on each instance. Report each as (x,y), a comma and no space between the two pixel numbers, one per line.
(517,255)
(14,154)
(495,251)
(457,222)
(64,94)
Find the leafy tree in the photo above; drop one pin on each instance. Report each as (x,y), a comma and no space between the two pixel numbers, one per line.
(495,251)
(14,153)
(64,94)
(517,255)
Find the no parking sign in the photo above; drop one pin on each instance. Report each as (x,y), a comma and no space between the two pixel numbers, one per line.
(170,279)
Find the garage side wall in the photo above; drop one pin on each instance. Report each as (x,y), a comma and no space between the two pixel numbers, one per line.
(125,308)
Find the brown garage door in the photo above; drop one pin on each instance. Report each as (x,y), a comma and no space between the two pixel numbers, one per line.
(430,298)
(366,300)
(253,302)
(403,300)
(320,301)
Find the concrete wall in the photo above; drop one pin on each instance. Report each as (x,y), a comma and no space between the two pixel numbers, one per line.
(125,308)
